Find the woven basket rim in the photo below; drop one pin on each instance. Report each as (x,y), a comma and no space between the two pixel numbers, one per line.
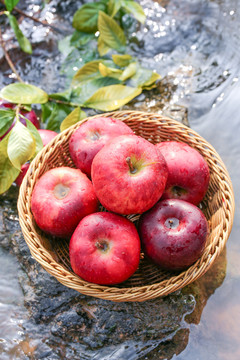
(140,293)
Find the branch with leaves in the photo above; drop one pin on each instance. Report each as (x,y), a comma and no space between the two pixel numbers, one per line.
(24,43)
(108,79)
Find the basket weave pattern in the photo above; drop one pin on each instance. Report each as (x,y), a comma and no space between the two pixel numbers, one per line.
(149,281)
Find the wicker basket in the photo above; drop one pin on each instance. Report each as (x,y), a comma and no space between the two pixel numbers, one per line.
(149,281)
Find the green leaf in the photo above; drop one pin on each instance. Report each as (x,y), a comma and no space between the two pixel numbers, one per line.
(10,4)
(151,83)
(36,135)
(112,97)
(111,33)
(109,71)
(63,96)
(129,71)
(135,9)
(8,173)
(75,116)
(144,77)
(113,7)
(86,18)
(86,89)
(80,38)
(122,60)
(76,59)
(21,93)
(6,119)
(53,114)
(24,43)
(21,145)
(103,48)
(87,72)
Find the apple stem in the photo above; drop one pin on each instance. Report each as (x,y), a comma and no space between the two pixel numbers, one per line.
(102,245)
(131,167)
(99,245)
(95,136)
(172,223)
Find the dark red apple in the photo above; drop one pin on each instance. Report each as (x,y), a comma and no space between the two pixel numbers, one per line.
(60,199)
(105,248)
(4,104)
(24,169)
(47,135)
(31,116)
(188,172)
(173,233)
(91,136)
(129,175)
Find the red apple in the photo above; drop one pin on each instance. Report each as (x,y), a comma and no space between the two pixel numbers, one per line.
(24,169)
(91,136)
(129,175)
(60,199)
(188,172)
(173,233)
(47,135)
(105,248)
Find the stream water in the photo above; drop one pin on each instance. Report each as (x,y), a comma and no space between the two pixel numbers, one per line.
(194,45)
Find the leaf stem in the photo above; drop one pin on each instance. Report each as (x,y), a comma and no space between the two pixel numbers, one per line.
(7,57)
(17,111)
(43,22)
(63,102)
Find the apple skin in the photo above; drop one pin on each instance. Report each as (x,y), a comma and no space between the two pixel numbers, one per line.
(188,172)
(47,135)
(105,249)
(60,199)
(173,233)
(124,190)
(91,136)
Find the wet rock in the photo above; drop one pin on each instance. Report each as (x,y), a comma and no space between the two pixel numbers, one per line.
(160,100)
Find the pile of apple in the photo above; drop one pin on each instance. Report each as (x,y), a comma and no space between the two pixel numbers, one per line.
(126,174)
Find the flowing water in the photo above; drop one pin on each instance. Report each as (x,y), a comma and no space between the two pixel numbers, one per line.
(194,45)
